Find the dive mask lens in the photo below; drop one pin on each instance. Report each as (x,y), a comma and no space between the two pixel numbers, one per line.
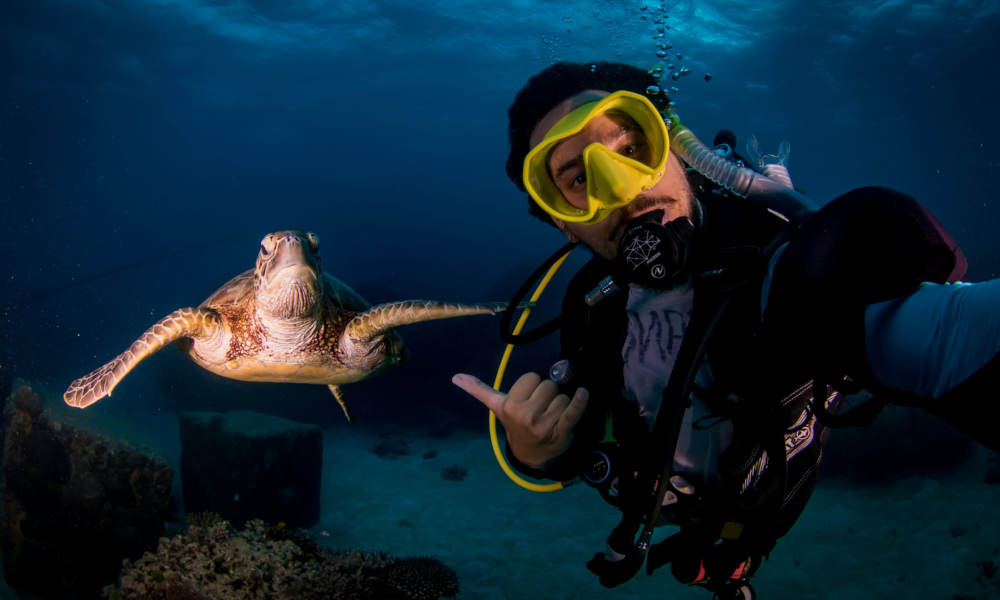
(613,180)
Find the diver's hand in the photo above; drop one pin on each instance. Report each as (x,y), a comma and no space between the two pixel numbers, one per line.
(538,419)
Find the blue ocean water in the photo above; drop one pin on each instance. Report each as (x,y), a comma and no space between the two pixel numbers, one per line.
(147,145)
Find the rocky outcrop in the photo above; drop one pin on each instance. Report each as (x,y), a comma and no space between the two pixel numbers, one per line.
(76,502)
(247,465)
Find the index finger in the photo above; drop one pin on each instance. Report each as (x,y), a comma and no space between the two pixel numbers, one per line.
(480,391)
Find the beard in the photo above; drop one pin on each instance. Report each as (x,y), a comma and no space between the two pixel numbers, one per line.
(644,204)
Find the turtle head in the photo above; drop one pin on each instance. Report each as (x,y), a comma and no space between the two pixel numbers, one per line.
(287,279)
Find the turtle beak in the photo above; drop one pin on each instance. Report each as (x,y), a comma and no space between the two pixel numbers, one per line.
(291,260)
(289,283)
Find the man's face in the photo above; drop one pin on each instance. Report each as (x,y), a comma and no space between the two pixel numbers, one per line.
(617,132)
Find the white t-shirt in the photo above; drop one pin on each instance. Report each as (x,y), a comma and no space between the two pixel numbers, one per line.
(657,321)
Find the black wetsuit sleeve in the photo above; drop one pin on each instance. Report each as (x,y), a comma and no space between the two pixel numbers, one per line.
(562,468)
(870,246)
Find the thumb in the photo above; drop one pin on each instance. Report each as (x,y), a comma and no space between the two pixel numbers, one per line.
(480,391)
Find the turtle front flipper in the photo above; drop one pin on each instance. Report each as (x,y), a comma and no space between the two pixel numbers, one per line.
(379,319)
(183,322)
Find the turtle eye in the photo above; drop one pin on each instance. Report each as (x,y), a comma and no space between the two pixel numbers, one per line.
(313,241)
(267,245)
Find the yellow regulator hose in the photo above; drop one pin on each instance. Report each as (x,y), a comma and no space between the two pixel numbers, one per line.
(497,451)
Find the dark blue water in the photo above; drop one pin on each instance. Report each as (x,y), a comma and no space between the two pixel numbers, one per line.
(146,147)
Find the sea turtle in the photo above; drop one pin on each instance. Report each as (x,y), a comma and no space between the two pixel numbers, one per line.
(284,320)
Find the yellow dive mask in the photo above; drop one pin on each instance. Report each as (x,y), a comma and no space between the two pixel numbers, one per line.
(613,180)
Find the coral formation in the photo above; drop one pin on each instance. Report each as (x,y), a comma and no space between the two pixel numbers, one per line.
(76,500)
(274,562)
(422,578)
(203,520)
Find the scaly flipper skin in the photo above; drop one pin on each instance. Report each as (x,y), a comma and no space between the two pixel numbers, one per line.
(183,322)
(378,319)
(339,395)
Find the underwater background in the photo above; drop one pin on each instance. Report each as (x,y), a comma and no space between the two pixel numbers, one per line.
(146,146)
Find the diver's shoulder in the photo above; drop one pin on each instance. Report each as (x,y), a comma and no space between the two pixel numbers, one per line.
(730,219)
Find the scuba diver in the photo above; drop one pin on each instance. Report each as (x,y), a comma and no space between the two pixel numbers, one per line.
(709,344)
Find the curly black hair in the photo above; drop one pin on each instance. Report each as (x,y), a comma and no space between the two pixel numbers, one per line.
(550,87)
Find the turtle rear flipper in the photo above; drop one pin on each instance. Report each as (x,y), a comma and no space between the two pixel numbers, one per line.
(339,395)
(183,322)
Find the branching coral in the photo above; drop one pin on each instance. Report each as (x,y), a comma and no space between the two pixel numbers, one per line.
(272,562)
(203,520)
(421,578)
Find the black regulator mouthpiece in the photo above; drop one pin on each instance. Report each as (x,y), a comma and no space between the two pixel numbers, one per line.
(650,254)
(655,255)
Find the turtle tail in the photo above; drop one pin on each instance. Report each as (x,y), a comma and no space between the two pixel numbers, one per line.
(379,319)
(183,322)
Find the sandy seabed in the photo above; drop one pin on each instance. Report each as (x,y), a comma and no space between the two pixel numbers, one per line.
(918,537)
